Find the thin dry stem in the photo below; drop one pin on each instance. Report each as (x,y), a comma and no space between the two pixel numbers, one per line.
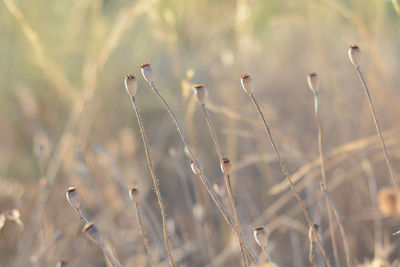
(226,179)
(155,182)
(311,240)
(286,173)
(323,175)
(143,233)
(202,175)
(340,223)
(387,158)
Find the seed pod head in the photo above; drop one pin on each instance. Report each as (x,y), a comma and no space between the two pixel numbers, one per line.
(247,83)
(200,92)
(261,236)
(93,233)
(226,166)
(73,197)
(313,82)
(219,188)
(134,193)
(130,84)
(147,72)
(355,55)
(196,167)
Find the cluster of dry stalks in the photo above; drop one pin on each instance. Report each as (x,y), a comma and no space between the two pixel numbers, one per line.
(213,219)
(232,219)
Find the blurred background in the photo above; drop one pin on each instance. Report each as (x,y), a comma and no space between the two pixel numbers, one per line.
(66,120)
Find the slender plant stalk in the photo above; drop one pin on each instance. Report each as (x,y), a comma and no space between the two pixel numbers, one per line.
(378,130)
(143,233)
(323,175)
(111,258)
(311,252)
(155,182)
(340,223)
(226,179)
(202,175)
(286,173)
(264,249)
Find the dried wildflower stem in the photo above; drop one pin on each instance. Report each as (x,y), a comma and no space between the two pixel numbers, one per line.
(286,173)
(143,233)
(387,158)
(201,174)
(340,223)
(311,240)
(226,179)
(155,182)
(323,173)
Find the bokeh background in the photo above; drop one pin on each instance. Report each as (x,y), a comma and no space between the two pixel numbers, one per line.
(66,120)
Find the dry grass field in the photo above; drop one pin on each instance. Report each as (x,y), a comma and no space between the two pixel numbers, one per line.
(102,169)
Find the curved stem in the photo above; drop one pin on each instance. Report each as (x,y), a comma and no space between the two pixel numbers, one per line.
(155,182)
(323,175)
(226,180)
(286,173)
(378,130)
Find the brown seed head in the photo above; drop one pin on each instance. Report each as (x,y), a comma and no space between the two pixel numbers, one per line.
(73,197)
(247,83)
(147,72)
(261,236)
(130,84)
(313,82)
(134,193)
(355,55)
(93,233)
(226,166)
(200,92)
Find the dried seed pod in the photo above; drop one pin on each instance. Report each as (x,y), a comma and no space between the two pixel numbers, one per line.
(261,236)
(247,83)
(313,82)
(93,233)
(226,166)
(130,84)
(219,188)
(73,197)
(200,92)
(134,193)
(147,72)
(196,167)
(355,55)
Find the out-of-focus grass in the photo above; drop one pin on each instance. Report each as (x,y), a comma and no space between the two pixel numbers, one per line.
(83,49)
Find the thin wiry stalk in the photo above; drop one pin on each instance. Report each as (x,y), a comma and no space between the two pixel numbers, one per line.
(202,175)
(264,249)
(79,212)
(323,175)
(311,252)
(226,179)
(143,233)
(339,220)
(155,182)
(286,173)
(387,158)
(111,258)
